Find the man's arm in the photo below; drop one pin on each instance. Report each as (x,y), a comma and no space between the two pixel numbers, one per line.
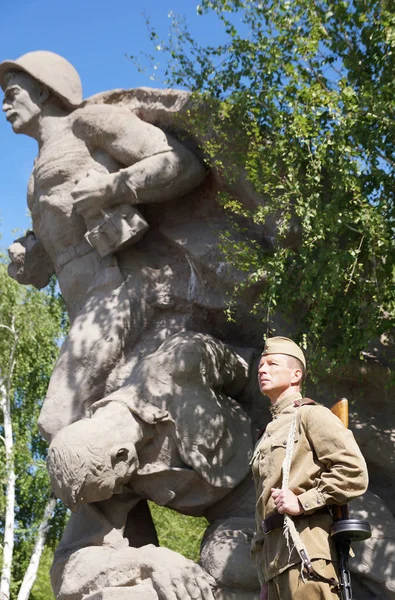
(157,167)
(346,475)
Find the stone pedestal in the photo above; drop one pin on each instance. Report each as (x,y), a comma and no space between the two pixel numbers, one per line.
(138,592)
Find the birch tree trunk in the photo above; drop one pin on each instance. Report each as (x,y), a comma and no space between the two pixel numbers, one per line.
(31,571)
(9,526)
(31,324)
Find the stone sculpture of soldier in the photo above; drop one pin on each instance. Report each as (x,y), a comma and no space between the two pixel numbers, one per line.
(95,164)
(132,333)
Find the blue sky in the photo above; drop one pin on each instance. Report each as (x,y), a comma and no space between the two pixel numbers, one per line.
(96,36)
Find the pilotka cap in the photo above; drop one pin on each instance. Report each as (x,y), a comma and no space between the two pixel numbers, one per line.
(283,345)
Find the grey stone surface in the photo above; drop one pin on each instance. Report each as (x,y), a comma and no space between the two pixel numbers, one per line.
(173,435)
(138,592)
(30,263)
(154,394)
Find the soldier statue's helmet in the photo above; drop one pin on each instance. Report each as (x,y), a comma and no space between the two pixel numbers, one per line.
(50,69)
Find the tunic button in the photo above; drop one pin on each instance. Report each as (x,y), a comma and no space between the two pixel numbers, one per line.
(306,505)
(284,442)
(268,434)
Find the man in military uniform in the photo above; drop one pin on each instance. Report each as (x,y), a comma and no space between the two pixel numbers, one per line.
(305,461)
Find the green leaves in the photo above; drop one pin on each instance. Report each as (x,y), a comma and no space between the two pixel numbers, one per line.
(39,321)
(309,87)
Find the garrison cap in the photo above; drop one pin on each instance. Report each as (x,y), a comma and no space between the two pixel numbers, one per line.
(283,345)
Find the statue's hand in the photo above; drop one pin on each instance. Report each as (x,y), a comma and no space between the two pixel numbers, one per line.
(96,191)
(174,577)
(30,264)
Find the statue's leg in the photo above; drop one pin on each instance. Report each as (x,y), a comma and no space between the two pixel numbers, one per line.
(90,352)
(94,559)
(92,554)
(140,529)
(225,549)
(95,556)
(225,555)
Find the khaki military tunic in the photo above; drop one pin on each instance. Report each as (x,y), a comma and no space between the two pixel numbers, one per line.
(327,468)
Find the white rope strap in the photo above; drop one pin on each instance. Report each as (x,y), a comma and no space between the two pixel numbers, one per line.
(291,534)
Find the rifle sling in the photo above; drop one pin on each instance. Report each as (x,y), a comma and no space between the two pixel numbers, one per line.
(313,574)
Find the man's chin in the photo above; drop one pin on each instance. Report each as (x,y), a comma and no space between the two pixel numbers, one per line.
(265,387)
(16,128)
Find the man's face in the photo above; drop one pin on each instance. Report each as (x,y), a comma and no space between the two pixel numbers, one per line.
(275,376)
(22,102)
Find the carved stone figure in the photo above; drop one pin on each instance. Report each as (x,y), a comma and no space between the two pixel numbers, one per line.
(137,284)
(94,165)
(175,436)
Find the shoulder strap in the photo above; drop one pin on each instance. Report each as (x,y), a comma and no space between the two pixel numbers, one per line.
(304,401)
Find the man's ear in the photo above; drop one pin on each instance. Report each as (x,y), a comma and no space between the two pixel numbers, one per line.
(44,94)
(297,376)
(123,452)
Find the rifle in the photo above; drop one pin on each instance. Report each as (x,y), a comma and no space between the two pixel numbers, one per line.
(346,530)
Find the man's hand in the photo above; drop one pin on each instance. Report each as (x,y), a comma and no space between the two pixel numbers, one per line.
(174,577)
(286,502)
(264,592)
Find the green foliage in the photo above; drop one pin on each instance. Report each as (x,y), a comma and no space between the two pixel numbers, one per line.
(179,532)
(309,85)
(37,318)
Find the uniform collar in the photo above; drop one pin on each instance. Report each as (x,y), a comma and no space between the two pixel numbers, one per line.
(284,403)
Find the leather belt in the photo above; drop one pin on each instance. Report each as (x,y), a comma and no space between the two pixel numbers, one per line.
(70,253)
(276,520)
(273,522)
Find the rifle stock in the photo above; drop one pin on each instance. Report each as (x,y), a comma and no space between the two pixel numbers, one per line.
(340,409)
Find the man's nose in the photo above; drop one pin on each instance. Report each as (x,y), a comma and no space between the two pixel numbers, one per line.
(5,106)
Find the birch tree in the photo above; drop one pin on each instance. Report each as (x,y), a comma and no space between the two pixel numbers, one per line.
(310,84)
(31,325)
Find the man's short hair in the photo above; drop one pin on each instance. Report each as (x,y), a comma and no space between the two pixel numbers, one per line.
(295,363)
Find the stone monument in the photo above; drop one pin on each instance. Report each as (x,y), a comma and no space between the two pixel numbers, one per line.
(146,398)
(154,394)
